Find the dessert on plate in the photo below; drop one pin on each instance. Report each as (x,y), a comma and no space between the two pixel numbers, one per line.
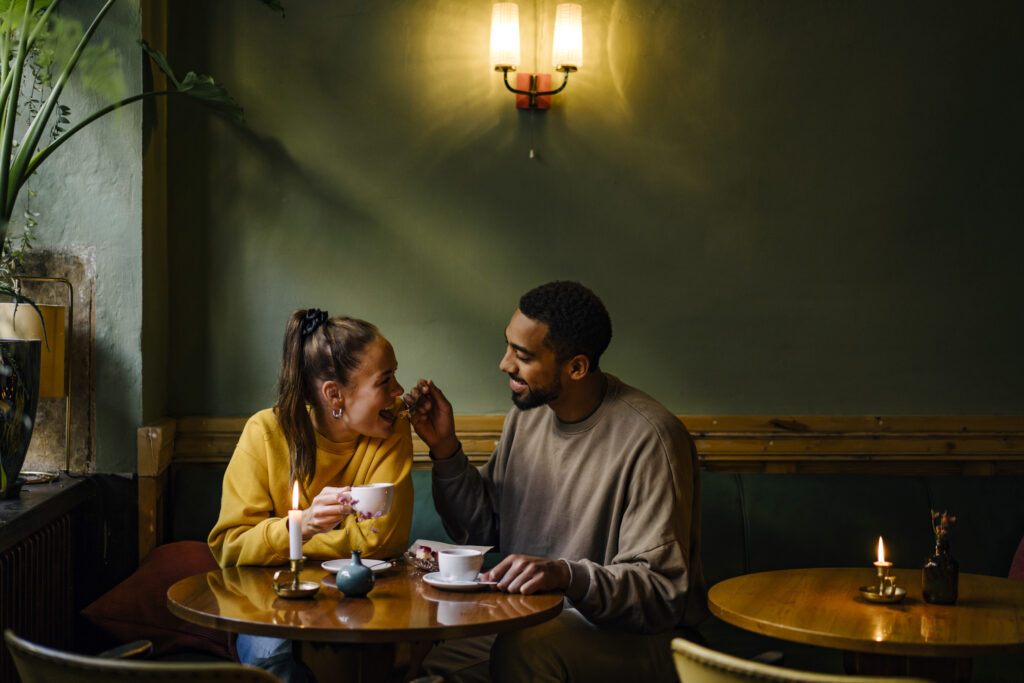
(422,557)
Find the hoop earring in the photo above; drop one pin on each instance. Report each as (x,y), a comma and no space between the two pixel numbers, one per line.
(336,413)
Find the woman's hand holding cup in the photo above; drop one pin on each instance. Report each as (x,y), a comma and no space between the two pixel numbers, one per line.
(328,508)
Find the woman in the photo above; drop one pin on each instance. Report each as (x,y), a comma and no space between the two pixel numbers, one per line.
(336,424)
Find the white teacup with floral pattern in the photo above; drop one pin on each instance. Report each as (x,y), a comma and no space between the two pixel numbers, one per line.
(373,500)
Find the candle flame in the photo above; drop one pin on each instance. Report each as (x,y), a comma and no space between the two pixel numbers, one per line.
(881,550)
(295,497)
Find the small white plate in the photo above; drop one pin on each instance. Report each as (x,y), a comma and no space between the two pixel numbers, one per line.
(437,581)
(376,566)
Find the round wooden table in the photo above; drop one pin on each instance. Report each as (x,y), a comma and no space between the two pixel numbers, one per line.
(824,607)
(354,637)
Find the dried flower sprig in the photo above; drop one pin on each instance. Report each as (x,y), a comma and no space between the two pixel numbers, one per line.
(941,521)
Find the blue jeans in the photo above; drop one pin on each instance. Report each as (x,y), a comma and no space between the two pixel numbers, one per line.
(274,655)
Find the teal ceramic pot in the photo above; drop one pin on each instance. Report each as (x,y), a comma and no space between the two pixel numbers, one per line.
(19,396)
(355,579)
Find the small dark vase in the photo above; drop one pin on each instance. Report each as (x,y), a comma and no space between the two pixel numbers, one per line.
(355,579)
(941,576)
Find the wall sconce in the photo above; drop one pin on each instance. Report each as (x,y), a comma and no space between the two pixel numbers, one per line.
(567,54)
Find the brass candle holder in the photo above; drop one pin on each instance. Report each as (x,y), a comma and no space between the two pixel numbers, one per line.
(886,591)
(295,588)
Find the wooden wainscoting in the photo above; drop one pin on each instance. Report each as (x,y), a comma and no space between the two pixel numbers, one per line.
(819,444)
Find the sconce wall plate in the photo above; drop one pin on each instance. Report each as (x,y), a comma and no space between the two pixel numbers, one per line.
(533,83)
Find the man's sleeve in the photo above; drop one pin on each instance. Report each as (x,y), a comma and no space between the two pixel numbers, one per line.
(467,497)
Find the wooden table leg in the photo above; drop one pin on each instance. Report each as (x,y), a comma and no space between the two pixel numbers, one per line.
(410,658)
(355,663)
(942,669)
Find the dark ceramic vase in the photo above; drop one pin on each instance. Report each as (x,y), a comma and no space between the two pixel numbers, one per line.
(941,576)
(19,396)
(355,579)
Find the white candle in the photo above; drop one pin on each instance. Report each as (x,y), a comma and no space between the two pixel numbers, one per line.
(295,526)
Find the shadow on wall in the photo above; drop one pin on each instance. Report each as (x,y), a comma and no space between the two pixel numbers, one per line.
(771,199)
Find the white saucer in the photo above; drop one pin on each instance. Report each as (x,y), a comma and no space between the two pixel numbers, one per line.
(437,581)
(376,566)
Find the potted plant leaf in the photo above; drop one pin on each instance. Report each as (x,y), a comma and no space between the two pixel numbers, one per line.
(34,72)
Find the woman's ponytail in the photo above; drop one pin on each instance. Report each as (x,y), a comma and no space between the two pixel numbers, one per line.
(292,397)
(316,349)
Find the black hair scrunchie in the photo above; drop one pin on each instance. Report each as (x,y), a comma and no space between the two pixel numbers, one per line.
(312,321)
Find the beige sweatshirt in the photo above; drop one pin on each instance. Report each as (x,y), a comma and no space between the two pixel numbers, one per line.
(617,496)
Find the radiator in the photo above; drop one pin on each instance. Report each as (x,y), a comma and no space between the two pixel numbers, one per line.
(36,594)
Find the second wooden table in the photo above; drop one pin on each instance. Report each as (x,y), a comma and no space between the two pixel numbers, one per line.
(823,607)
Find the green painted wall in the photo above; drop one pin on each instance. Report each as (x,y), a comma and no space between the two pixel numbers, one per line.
(810,206)
(89,194)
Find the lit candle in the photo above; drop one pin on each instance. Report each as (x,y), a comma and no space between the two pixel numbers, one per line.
(886,581)
(881,563)
(295,526)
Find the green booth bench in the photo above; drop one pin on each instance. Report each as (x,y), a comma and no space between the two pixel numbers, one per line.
(776,493)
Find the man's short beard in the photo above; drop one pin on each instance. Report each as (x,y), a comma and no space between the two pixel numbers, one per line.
(537,398)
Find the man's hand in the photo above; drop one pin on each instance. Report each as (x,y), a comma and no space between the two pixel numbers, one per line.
(525,574)
(326,511)
(433,420)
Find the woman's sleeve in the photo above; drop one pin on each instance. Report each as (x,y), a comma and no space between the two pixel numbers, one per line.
(248,530)
(387,536)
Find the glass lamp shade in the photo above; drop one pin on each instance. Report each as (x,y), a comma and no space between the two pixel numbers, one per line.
(568,51)
(505,35)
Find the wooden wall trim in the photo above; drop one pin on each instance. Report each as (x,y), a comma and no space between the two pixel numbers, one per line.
(977,445)
(155,450)
(155,447)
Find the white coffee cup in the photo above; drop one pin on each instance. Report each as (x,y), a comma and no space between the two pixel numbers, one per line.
(459,564)
(373,499)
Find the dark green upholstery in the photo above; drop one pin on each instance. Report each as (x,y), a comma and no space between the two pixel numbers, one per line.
(830,520)
(760,522)
(990,520)
(194,503)
(426,524)
(724,551)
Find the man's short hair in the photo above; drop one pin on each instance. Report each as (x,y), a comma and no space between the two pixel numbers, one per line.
(577,321)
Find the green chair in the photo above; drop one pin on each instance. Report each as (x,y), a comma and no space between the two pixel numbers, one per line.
(38,664)
(697,664)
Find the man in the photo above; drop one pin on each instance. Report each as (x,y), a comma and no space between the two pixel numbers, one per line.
(593,490)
